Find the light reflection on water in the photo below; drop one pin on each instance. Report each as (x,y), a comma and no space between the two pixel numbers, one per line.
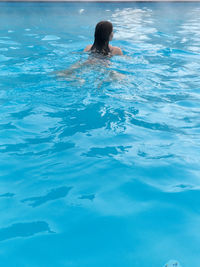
(100,167)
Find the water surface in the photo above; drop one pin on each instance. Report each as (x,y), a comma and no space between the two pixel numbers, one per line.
(101,167)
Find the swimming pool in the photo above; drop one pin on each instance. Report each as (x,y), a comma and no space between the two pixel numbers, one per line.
(100,168)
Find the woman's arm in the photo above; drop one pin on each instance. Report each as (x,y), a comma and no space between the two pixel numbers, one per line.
(117,51)
(88,47)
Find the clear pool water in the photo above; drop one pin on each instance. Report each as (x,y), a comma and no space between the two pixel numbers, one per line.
(101,167)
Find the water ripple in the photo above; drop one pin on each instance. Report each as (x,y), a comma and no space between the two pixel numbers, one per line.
(123,132)
(54,194)
(24,230)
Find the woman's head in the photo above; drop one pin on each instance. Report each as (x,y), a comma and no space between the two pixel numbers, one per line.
(103,34)
(103,31)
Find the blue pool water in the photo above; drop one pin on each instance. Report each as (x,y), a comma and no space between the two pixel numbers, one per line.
(99,167)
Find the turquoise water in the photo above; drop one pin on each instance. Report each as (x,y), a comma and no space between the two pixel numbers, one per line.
(99,167)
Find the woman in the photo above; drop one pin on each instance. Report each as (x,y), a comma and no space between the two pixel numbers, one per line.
(103,34)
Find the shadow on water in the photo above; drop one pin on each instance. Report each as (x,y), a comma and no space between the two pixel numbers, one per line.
(24,230)
(7,195)
(106,151)
(52,195)
(90,197)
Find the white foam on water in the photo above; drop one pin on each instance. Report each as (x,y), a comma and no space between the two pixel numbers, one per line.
(4,58)
(81,10)
(50,38)
(12,47)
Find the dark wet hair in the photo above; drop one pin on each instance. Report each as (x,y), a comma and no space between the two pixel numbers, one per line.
(101,37)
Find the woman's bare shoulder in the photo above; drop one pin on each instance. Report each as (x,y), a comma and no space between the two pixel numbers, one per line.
(116,50)
(88,47)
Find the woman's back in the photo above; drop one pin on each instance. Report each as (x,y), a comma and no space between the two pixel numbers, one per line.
(114,50)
